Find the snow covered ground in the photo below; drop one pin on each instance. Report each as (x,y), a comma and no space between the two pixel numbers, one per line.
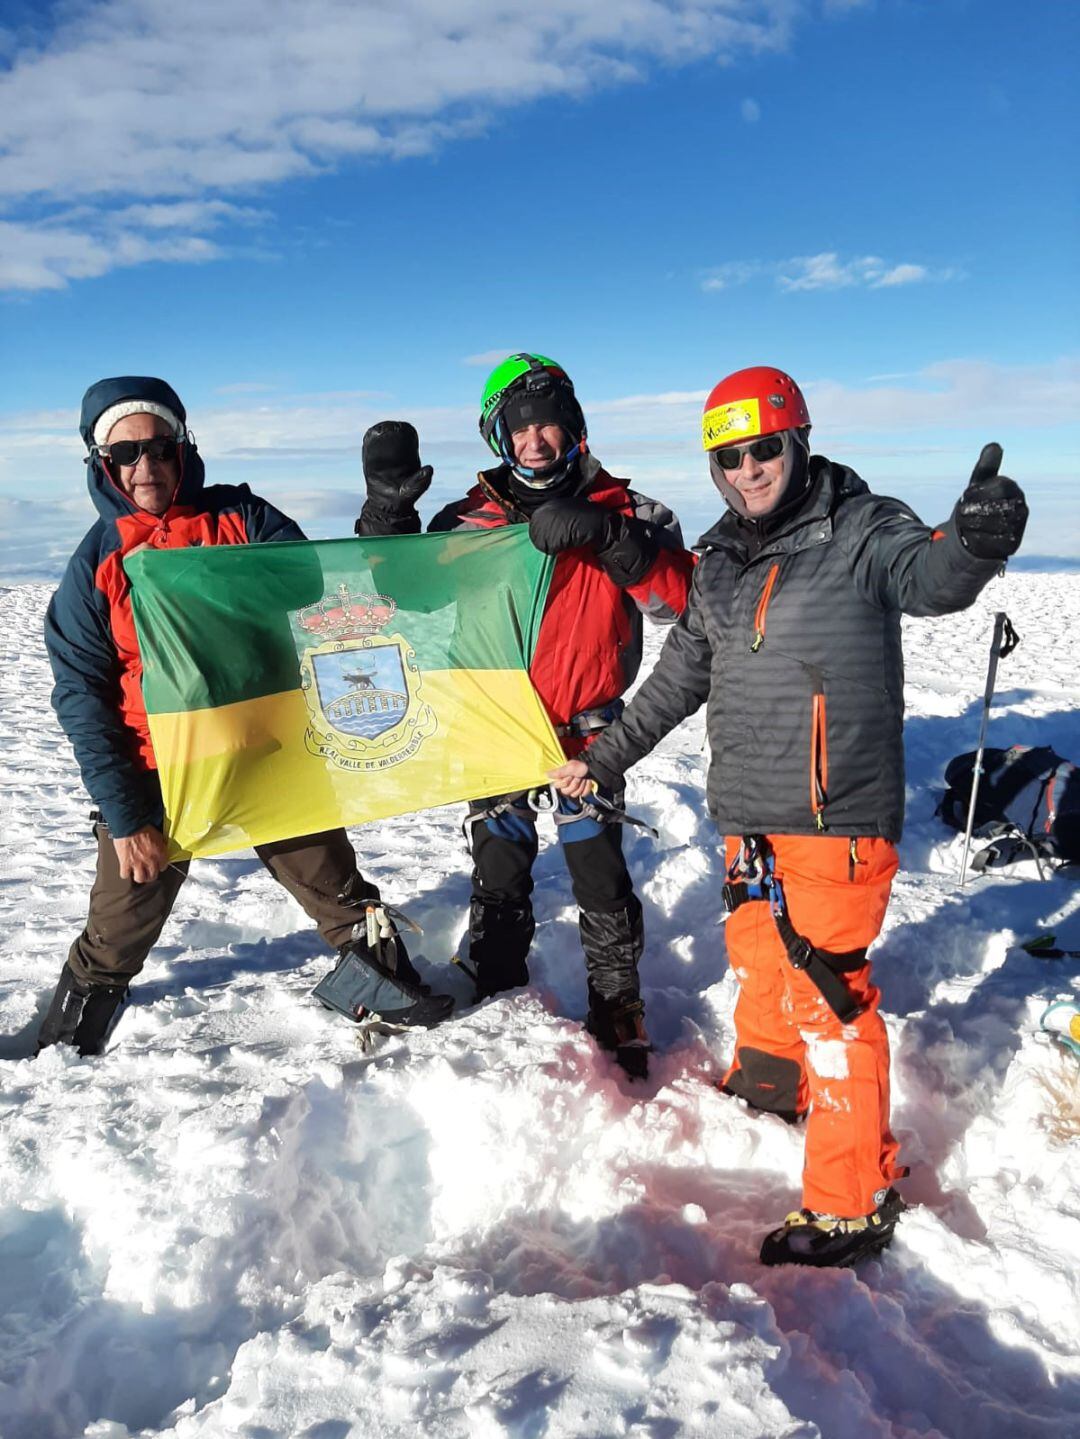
(236,1223)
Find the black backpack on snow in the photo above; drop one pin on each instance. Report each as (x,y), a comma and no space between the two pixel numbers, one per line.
(1028,804)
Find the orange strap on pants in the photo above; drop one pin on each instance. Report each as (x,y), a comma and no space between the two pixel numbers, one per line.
(792,1054)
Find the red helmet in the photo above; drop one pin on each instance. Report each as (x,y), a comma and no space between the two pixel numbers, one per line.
(758,401)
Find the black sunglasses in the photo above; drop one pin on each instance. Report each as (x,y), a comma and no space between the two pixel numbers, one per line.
(130,452)
(767,448)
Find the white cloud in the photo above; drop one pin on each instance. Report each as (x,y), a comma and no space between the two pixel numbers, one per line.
(46,258)
(185,215)
(750,111)
(901,275)
(734,272)
(488,357)
(828,272)
(81,242)
(126,97)
(825,271)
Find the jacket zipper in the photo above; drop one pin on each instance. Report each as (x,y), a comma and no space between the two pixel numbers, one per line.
(819,760)
(1051,806)
(762,609)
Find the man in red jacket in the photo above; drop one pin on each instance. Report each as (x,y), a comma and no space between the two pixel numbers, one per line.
(146,480)
(618,555)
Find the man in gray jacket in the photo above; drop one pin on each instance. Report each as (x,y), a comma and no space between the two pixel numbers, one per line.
(792,639)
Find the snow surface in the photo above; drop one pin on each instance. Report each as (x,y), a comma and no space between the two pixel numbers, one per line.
(236,1223)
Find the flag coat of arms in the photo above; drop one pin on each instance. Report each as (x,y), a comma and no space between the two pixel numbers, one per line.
(291,688)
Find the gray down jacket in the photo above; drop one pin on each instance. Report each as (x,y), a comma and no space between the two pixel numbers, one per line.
(797,653)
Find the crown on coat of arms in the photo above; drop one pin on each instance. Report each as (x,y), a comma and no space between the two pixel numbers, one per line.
(345,615)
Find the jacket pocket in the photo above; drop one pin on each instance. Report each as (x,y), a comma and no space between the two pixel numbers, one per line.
(819,758)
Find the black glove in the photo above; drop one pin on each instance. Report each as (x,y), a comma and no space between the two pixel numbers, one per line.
(625,547)
(992,511)
(395,477)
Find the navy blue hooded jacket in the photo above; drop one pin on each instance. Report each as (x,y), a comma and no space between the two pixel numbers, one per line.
(89,630)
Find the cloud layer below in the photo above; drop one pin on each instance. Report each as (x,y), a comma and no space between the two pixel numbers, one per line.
(952,396)
(913,435)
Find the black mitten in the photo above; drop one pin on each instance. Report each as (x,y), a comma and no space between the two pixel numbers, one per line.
(625,547)
(992,512)
(570,524)
(395,478)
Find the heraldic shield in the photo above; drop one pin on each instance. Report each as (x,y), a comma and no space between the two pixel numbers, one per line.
(364,700)
(362,688)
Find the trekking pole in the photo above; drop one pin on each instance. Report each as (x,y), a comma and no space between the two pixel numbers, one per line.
(1003,643)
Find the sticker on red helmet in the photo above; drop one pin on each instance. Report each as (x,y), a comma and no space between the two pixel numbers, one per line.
(724,424)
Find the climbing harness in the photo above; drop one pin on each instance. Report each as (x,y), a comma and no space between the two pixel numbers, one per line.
(752,876)
(546,799)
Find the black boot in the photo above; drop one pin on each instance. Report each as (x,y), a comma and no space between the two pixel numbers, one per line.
(379,983)
(500,933)
(620,1028)
(80,1014)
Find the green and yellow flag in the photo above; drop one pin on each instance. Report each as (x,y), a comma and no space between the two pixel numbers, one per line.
(291,688)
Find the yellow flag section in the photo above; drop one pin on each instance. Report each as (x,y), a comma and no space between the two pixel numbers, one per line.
(291,688)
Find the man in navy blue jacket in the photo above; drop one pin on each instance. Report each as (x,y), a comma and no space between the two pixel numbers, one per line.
(146,480)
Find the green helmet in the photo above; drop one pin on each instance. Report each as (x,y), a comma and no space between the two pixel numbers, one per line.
(530,389)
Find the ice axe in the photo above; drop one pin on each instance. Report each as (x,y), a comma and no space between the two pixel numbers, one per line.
(1003,643)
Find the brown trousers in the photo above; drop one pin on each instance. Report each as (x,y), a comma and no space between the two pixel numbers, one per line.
(125,918)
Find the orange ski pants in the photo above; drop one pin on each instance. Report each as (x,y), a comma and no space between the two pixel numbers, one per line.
(792,1055)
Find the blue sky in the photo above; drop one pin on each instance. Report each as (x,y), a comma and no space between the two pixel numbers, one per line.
(308,216)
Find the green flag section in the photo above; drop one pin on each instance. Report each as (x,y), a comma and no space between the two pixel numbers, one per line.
(292,688)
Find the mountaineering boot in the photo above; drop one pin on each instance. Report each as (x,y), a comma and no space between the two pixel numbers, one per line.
(500,933)
(65,1011)
(375,981)
(80,1014)
(619,1027)
(825,1240)
(613,941)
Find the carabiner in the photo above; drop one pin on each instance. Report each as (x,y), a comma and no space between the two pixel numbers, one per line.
(544,799)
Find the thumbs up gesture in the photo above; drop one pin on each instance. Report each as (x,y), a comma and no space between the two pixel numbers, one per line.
(992,511)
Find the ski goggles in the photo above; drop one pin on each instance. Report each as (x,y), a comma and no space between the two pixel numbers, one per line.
(130,452)
(768,447)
